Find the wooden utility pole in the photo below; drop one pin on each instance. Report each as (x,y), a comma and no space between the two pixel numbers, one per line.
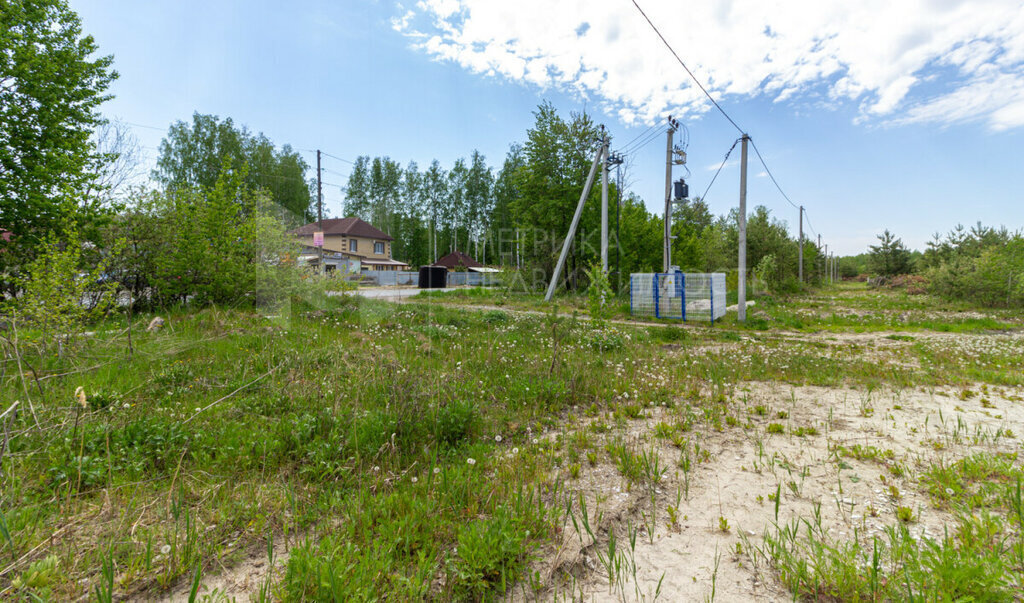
(741,312)
(801,251)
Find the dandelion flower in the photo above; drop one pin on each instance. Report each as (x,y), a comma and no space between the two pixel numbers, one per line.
(515,451)
(165,549)
(414,479)
(536,441)
(497,439)
(949,491)
(437,470)
(376,468)
(471,461)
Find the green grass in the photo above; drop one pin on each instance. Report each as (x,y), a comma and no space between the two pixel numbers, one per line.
(978,481)
(228,427)
(977,560)
(345,427)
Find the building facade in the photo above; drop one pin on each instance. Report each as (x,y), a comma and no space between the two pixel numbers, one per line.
(352,240)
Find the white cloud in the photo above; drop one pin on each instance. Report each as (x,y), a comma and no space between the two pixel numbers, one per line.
(938,61)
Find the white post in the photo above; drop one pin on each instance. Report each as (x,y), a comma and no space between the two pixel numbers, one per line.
(801,251)
(604,206)
(742,280)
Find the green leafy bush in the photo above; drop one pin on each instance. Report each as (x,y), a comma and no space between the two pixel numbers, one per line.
(455,422)
(59,294)
(488,554)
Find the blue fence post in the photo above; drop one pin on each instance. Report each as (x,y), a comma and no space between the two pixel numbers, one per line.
(682,295)
(657,309)
(711,288)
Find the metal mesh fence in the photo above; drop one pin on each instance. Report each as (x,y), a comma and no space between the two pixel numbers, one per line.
(679,295)
(391,277)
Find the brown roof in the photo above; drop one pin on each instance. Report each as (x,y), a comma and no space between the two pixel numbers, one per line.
(456,259)
(344,226)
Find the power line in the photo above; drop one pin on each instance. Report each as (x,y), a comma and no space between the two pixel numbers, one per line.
(144,126)
(704,196)
(636,148)
(641,135)
(654,135)
(769,172)
(326,154)
(692,76)
(724,114)
(808,220)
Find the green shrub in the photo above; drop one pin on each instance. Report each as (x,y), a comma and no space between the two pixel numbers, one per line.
(489,551)
(456,421)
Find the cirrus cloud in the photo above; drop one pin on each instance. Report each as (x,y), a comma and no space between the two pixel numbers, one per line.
(913,61)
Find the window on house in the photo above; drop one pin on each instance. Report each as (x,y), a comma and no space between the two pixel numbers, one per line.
(378,248)
(352,246)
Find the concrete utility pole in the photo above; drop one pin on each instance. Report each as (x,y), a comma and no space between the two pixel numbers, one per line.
(742,280)
(801,251)
(575,221)
(603,155)
(824,265)
(319,208)
(617,160)
(667,245)
(817,254)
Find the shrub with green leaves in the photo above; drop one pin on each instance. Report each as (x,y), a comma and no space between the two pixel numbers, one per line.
(599,293)
(59,294)
(217,245)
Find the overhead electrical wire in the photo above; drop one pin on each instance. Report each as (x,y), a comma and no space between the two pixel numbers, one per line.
(636,147)
(640,135)
(640,142)
(774,181)
(326,154)
(724,114)
(808,220)
(722,165)
(692,76)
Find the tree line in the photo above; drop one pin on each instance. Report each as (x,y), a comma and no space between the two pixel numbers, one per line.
(981,264)
(517,215)
(221,197)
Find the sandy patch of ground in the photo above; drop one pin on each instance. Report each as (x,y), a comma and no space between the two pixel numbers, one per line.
(741,468)
(241,581)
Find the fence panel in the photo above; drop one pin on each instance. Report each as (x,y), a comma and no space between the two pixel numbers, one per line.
(472,279)
(390,278)
(678,295)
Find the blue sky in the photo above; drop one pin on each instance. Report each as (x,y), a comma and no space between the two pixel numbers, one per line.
(872,117)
